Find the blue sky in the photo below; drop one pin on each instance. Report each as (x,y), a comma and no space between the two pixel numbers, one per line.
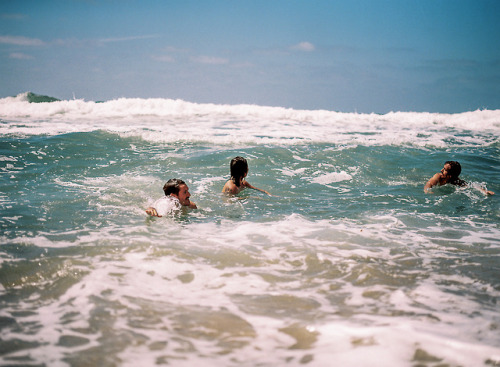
(365,56)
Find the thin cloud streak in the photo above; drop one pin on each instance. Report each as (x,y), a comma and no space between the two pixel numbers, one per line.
(13,16)
(211,60)
(304,46)
(163,58)
(126,39)
(20,56)
(21,41)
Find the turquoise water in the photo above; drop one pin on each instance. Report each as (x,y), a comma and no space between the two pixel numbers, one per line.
(349,262)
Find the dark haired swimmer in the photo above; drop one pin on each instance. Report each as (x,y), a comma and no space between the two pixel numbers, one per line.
(237,182)
(449,175)
(176,196)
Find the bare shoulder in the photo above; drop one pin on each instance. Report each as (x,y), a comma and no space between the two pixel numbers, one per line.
(433,181)
(230,188)
(436,178)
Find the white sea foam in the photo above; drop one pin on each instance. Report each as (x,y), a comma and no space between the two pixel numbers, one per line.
(381,274)
(176,120)
(158,282)
(332,177)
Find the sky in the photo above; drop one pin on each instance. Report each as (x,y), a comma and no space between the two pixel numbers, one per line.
(348,56)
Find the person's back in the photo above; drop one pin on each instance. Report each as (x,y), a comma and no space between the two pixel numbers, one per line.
(237,182)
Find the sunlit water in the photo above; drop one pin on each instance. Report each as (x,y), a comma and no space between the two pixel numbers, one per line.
(349,263)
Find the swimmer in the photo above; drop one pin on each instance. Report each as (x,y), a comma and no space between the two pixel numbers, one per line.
(237,182)
(449,175)
(176,196)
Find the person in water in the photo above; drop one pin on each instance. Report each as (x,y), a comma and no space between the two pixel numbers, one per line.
(449,175)
(237,182)
(176,196)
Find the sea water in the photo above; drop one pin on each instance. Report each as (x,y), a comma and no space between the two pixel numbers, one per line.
(348,263)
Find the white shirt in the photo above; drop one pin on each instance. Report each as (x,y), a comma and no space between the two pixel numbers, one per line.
(167,205)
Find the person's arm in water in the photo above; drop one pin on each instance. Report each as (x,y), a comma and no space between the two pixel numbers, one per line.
(486,192)
(247,184)
(435,181)
(432,182)
(231,188)
(152,211)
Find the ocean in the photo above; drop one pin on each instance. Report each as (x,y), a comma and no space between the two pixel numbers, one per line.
(348,263)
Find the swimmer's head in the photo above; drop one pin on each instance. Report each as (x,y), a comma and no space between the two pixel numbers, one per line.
(454,168)
(173,186)
(239,169)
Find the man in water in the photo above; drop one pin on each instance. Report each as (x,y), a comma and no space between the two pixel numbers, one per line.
(176,196)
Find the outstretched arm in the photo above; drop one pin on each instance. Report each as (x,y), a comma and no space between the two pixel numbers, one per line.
(486,192)
(246,184)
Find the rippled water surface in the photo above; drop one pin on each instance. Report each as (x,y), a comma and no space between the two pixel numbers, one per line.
(348,263)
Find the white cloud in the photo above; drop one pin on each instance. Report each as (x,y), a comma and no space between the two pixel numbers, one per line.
(163,58)
(21,41)
(20,56)
(303,46)
(172,49)
(211,60)
(124,39)
(243,65)
(13,16)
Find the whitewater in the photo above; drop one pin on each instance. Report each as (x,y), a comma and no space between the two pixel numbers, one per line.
(348,263)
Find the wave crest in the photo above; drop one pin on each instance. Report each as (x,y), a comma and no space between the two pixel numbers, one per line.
(166,120)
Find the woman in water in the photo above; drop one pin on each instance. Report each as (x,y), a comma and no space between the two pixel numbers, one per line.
(449,175)
(237,182)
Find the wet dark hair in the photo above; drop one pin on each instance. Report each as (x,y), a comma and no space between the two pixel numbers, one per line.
(239,167)
(454,172)
(172,186)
